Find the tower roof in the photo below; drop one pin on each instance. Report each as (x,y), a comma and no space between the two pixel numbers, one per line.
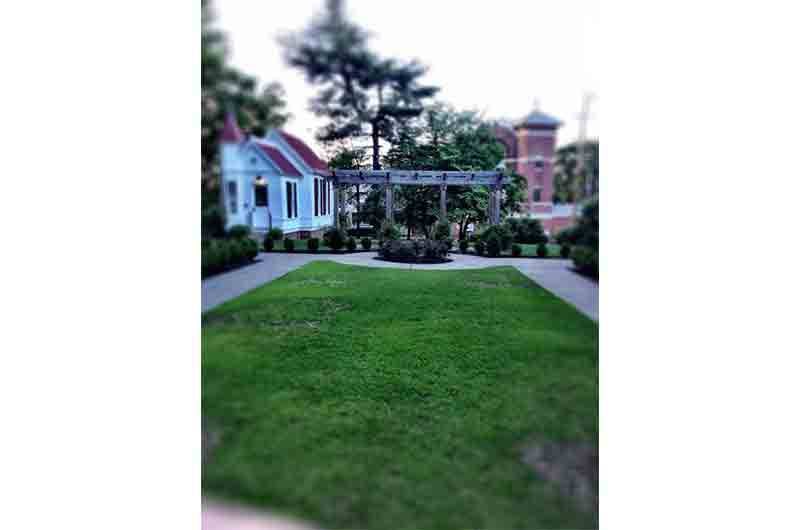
(538,120)
(230,130)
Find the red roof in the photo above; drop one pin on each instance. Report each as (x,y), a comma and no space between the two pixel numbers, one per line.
(276,156)
(231,131)
(305,152)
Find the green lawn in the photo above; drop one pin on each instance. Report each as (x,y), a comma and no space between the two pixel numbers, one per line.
(372,398)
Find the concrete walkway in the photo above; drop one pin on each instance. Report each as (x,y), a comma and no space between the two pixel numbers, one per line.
(552,274)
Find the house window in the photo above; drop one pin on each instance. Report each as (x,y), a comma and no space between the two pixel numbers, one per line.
(294,198)
(537,195)
(289,200)
(261,196)
(324,199)
(232,198)
(316,196)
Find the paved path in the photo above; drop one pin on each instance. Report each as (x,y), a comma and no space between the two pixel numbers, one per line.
(552,274)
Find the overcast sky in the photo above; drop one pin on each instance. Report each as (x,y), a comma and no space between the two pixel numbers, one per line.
(497,57)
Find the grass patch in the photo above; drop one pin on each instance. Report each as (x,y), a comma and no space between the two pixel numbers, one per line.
(374,398)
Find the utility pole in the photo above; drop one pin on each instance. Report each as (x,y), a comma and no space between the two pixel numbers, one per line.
(580,166)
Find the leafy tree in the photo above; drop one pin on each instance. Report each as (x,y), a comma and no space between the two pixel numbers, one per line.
(360,93)
(449,140)
(225,88)
(567,182)
(347,157)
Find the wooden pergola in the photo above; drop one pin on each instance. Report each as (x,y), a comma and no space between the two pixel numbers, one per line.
(389,177)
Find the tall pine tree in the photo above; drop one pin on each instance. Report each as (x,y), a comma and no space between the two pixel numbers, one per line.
(360,93)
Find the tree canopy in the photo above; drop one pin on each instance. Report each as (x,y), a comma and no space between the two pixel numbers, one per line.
(360,93)
(442,138)
(224,88)
(566,181)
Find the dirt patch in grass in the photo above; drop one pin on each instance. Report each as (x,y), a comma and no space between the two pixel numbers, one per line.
(321,309)
(571,466)
(330,282)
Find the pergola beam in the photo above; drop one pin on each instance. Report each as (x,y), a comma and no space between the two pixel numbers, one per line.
(416,178)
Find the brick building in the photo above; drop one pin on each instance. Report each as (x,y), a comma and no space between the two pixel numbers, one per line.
(530,146)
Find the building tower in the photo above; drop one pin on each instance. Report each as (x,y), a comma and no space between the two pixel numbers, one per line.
(536,145)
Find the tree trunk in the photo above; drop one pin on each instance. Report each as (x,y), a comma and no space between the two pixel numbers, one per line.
(376,148)
(358,207)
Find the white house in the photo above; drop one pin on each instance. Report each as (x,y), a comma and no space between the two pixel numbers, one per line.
(273,182)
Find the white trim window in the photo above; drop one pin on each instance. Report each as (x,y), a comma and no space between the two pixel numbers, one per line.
(291,200)
(233,198)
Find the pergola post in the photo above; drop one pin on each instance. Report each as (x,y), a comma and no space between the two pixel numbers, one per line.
(443,201)
(336,205)
(389,203)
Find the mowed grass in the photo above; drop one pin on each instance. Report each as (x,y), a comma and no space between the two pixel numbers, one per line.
(372,398)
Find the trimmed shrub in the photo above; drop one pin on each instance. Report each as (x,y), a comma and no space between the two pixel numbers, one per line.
(516,250)
(276,234)
(366,243)
(313,244)
(269,244)
(463,246)
(500,232)
(351,244)
(493,246)
(565,251)
(212,222)
(441,231)
(526,230)
(288,245)
(388,232)
(223,253)
(238,231)
(361,232)
(251,248)
(334,238)
(414,251)
(235,252)
(541,250)
(586,260)
(480,248)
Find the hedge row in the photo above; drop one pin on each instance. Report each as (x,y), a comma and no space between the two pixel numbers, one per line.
(218,255)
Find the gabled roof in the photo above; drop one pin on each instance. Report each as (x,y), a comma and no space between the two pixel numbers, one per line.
(230,130)
(303,151)
(286,167)
(538,119)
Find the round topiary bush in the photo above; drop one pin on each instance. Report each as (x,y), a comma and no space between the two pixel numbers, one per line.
(269,244)
(288,245)
(565,251)
(313,244)
(541,250)
(351,244)
(334,238)
(238,231)
(414,251)
(500,232)
(366,243)
(276,234)
(493,246)
(251,248)
(516,250)
(441,231)
(388,232)
(463,246)
(480,248)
